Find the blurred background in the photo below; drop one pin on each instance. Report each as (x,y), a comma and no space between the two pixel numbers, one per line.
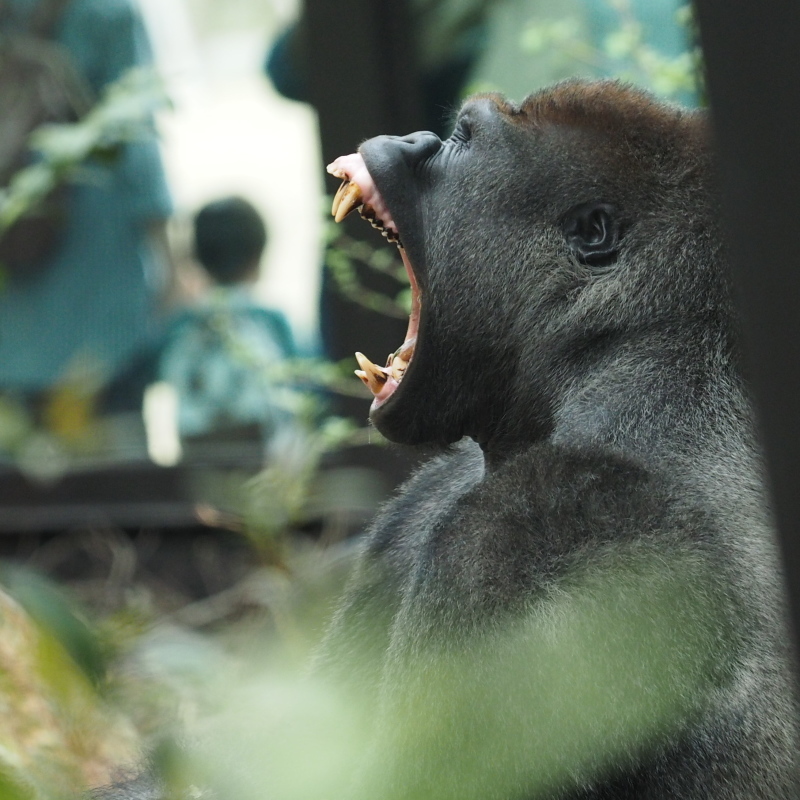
(174,297)
(183,446)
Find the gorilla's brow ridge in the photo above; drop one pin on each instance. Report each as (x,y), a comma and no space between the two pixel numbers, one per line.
(609,106)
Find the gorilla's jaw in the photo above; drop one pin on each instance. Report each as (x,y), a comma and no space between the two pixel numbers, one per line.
(435,200)
(520,234)
(358,190)
(445,381)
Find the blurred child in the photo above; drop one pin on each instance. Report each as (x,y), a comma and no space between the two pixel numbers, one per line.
(218,353)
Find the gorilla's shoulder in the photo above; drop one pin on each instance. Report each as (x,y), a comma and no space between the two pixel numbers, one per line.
(432,490)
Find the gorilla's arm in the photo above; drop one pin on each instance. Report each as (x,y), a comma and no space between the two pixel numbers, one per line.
(364,617)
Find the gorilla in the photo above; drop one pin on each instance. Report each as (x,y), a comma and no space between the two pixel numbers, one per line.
(579,596)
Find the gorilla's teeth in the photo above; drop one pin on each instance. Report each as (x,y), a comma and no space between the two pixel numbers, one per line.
(399,367)
(336,171)
(370,379)
(406,350)
(363,375)
(337,198)
(371,374)
(349,199)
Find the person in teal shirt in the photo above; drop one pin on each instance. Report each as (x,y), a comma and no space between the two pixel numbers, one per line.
(220,352)
(97,300)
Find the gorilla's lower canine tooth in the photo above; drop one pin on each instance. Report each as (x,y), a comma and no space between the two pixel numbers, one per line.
(371,374)
(363,375)
(350,199)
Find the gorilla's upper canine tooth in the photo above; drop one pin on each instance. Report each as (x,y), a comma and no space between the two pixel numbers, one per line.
(350,199)
(337,198)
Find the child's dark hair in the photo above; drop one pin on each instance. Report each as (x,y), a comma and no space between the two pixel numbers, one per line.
(229,238)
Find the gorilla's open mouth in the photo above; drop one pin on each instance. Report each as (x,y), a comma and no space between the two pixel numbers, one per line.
(358,191)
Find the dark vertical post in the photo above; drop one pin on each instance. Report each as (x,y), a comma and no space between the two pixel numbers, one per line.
(362,70)
(363,82)
(753,71)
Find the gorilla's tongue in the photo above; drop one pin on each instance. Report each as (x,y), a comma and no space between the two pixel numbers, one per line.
(358,190)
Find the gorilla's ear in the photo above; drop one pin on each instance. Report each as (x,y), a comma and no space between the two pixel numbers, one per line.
(593,233)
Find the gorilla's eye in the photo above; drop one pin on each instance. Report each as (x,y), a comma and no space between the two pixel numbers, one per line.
(593,233)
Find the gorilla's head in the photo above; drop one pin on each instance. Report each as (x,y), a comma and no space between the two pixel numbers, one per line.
(537,237)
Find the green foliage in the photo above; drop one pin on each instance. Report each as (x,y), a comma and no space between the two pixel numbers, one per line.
(269,505)
(11,789)
(343,257)
(76,151)
(49,609)
(538,700)
(266,506)
(124,114)
(624,53)
(57,726)
(533,703)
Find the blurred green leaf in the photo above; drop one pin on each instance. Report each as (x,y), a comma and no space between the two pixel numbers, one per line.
(11,789)
(623,42)
(48,607)
(123,114)
(624,53)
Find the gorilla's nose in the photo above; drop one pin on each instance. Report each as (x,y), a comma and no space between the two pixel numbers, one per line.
(417,146)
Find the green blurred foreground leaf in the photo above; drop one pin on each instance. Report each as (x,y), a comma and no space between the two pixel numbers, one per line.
(606,666)
(51,611)
(58,735)
(12,790)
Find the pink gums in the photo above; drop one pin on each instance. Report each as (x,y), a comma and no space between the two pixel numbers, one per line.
(407,349)
(352,168)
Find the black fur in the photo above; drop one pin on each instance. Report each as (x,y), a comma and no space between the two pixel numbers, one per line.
(577,326)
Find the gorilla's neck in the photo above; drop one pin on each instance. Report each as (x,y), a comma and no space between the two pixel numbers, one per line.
(653,403)
(653,398)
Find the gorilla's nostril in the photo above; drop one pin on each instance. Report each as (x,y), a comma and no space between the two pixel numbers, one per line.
(422,143)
